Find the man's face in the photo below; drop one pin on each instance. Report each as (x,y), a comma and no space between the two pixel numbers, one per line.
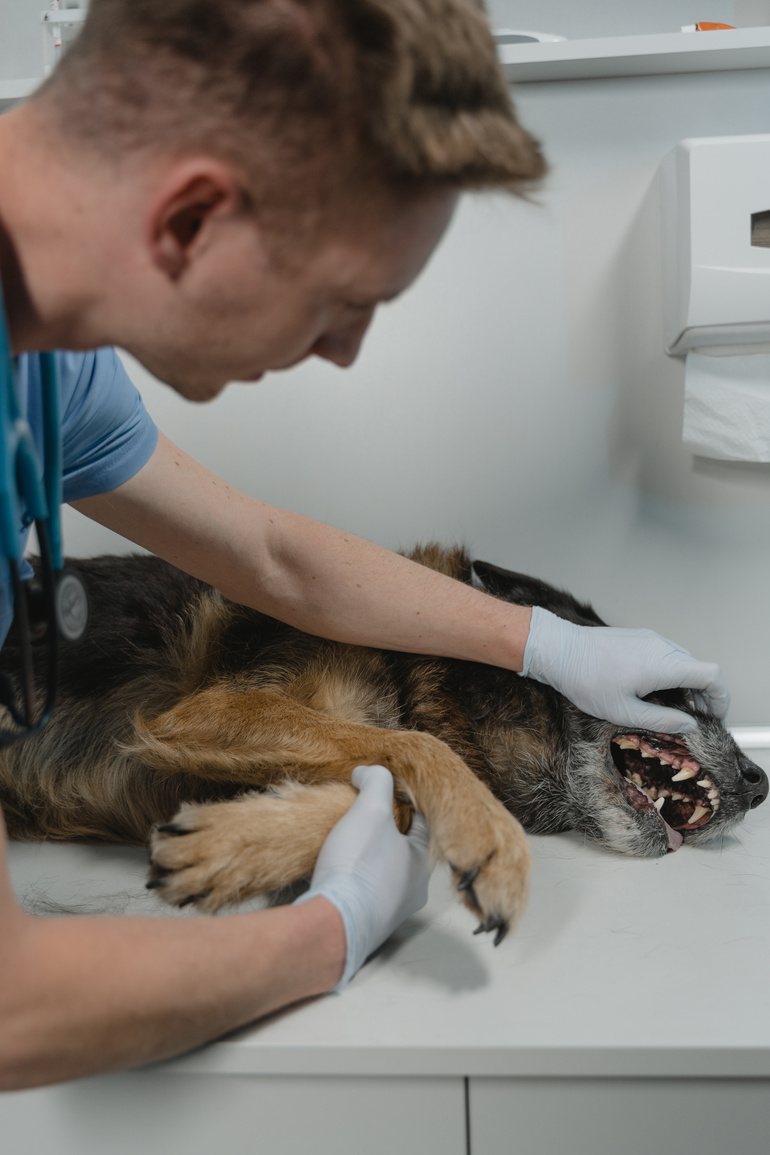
(240,310)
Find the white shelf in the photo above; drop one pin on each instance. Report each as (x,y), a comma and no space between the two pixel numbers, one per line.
(18,89)
(610,56)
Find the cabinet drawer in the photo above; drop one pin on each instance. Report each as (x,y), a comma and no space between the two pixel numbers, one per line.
(609,1116)
(160,1114)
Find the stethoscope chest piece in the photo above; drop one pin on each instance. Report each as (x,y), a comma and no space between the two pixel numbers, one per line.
(71,606)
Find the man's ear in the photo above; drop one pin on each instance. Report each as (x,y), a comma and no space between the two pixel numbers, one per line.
(191,195)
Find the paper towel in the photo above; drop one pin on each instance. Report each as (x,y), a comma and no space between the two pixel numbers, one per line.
(727,406)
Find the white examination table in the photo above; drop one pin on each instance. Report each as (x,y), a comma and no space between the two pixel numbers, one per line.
(629,1014)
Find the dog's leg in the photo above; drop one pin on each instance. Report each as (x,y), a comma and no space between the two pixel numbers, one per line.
(262,737)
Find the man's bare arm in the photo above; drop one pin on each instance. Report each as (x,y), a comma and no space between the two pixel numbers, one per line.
(83,995)
(317,578)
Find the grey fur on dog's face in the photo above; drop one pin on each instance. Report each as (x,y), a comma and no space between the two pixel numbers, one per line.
(604,781)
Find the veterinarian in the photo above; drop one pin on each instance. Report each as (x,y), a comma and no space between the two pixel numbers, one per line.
(225,189)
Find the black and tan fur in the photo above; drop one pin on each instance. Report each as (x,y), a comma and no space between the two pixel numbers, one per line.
(226,739)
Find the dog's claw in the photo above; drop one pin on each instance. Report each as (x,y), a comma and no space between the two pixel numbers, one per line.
(494,922)
(173,828)
(468,878)
(472,895)
(194,898)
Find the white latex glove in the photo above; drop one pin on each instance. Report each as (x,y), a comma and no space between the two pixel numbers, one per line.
(374,875)
(606,672)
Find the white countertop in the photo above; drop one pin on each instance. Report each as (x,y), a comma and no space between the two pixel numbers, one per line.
(619,967)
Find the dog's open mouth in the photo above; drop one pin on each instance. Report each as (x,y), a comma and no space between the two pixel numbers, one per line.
(660,774)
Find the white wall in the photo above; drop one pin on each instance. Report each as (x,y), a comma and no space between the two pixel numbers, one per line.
(21,41)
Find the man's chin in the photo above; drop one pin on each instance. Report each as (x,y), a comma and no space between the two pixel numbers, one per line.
(194,390)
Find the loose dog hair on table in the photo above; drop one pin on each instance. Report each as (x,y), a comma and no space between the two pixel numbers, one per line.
(226,739)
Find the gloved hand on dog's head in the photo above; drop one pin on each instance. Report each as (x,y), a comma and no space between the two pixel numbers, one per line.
(373,874)
(606,672)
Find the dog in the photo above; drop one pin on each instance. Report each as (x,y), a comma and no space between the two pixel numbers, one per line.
(225,740)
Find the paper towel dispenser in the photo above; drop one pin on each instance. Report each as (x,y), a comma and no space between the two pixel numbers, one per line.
(716,226)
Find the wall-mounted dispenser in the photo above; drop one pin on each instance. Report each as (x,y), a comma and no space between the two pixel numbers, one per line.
(716,209)
(716,294)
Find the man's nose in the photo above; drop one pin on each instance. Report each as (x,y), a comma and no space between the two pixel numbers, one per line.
(341,344)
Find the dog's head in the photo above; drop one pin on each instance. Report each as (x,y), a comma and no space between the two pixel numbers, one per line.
(635,791)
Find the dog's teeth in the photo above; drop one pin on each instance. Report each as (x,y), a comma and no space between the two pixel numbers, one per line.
(697,813)
(659,803)
(712,793)
(687,772)
(664,760)
(676,796)
(704,782)
(636,779)
(625,744)
(646,755)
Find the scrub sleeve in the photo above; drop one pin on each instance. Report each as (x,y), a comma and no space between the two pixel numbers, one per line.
(107,434)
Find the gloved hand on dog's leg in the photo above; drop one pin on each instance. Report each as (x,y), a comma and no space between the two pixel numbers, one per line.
(373,874)
(606,672)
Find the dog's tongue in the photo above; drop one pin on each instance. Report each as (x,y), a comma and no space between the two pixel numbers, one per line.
(675,839)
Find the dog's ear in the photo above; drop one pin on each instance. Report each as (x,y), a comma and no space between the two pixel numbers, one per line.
(528,591)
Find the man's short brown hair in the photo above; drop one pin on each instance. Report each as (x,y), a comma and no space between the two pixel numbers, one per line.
(410,91)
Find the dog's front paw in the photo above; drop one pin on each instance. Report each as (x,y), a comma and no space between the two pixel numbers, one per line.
(490,866)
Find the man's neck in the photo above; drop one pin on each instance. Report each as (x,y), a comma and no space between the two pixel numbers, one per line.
(46,239)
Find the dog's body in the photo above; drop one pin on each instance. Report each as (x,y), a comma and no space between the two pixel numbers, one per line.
(179,704)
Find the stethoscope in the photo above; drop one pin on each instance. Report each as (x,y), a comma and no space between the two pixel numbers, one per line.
(57,606)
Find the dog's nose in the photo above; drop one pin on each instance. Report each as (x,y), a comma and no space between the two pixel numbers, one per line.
(753,783)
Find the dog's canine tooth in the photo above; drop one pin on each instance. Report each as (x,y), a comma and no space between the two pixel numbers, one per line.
(659,803)
(697,813)
(687,772)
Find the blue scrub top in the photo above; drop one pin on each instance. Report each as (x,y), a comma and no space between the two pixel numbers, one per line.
(107,434)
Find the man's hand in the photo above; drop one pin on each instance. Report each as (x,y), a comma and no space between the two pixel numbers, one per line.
(606,672)
(374,875)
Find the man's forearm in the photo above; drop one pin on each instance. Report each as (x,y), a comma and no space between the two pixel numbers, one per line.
(336,585)
(83,995)
(317,578)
